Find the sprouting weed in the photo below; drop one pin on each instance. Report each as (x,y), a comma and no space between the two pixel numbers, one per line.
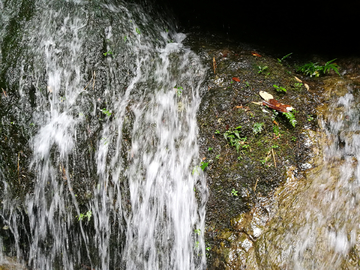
(279,89)
(234,192)
(179,91)
(257,128)
(203,165)
(291,117)
(87,215)
(262,69)
(283,58)
(105,111)
(108,53)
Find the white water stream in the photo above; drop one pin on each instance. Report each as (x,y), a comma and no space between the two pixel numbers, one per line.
(141,209)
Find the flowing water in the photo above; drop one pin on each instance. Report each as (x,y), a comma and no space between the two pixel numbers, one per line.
(105,97)
(317,227)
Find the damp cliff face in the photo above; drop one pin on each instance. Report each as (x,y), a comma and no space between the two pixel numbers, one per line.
(273,196)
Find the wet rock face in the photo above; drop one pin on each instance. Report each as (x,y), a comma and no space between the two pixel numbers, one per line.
(254,190)
(262,166)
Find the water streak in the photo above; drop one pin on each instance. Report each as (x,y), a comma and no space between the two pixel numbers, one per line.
(115,142)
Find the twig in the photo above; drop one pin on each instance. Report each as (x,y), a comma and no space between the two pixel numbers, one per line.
(4,92)
(214,65)
(94,79)
(256,184)
(272,150)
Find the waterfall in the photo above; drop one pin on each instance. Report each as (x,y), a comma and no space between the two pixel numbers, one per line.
(332,218)
(317,224)
(106,98)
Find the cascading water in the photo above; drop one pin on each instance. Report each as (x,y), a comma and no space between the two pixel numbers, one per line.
(332,218)
(318,226)
(106,98)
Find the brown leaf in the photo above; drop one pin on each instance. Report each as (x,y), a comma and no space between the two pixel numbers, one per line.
(276,105)
(255,54)
(236,79)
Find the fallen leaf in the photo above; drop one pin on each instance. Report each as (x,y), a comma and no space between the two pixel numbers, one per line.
(296,78)
(257,103)
(276,123)
(255,54)
(276,105)
(265,95)
(306,86)
(236,79)
(214,65)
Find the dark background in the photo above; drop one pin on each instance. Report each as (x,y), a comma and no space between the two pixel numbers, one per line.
(302,25)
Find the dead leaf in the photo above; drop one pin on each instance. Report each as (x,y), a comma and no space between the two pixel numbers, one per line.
(306,86)
(276,105)
(296,78)
(236,79)
(276,123)
(265,95)
(255,54)
(214,65)
(4,92)
(257,103)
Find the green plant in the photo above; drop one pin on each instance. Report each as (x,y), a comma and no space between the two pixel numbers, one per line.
(233,136)
(279,89)
(293,138)
(197,231)
(298,85)
(138,30)
(179,91)
(125,38)
(274,146)
(234,192)
(247,84)
(291,117)
(203,165)
(257,128)
(262,69)
(283,58)
(276,130)
(218,156)
(310,118)
(313,69)
(217,132)
(108,53)
(87,215)
(210,148)
(105,111)
(263,161)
